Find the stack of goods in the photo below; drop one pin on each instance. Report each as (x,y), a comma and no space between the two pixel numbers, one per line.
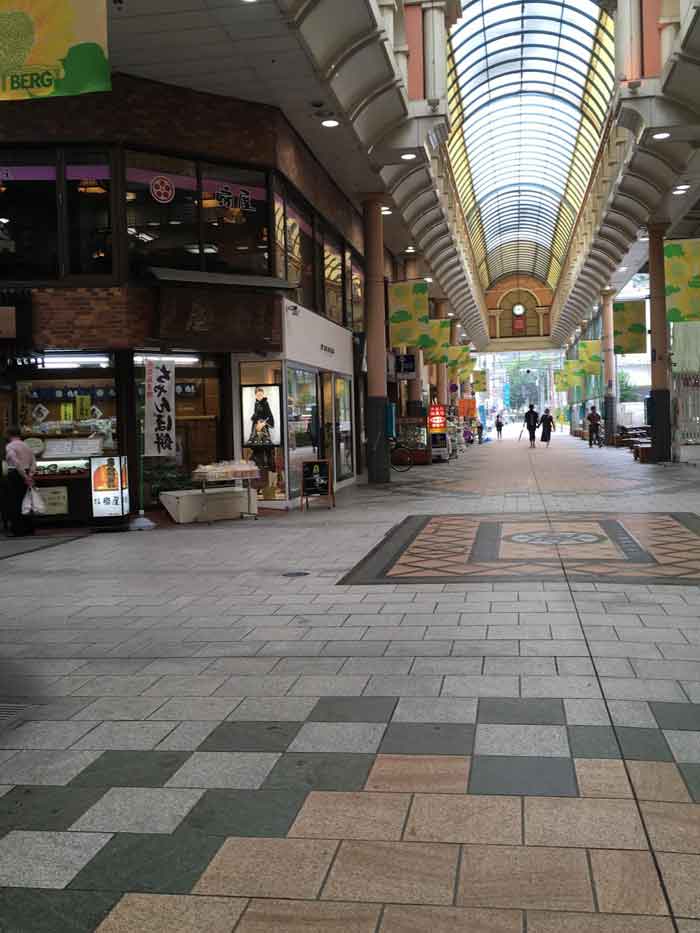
(226,471)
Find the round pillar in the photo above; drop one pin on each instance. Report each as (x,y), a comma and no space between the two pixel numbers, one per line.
(660,362)
(378,467)
(609,373)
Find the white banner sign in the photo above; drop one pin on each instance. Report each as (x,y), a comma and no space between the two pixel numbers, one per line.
(160,409)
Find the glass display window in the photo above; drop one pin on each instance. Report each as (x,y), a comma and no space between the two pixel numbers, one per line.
(161,211)
(235,220)
(300,254)
(280,251)
(262,426)
(333,278)
(28,215)
(344,465)
(357,290)
(89,212)
(303,427)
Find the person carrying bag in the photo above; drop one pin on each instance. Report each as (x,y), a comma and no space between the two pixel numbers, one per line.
(21,466)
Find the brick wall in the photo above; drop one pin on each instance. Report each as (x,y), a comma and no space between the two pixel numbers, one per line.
(542,292)
(93,318)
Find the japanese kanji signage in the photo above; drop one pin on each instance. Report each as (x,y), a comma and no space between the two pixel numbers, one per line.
(109,482)
(159,423)
(437,419)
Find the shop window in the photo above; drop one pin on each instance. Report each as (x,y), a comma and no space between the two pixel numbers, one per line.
(280,250)
(358,297)
(333,278)
(300,255)
(162,215)
(28,216)
(88,203)
(262,426)
(235,220)
(344,467)
(302,423)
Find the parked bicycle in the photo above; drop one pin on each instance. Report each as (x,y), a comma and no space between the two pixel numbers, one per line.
(400,456)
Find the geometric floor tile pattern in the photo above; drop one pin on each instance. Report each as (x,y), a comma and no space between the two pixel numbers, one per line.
(509,743)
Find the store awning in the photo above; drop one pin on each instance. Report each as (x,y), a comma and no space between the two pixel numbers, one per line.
(192,277)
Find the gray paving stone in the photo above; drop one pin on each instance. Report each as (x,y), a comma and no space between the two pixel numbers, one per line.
(244,770)
(481,686)
(214,709)
(186,736)
(418,649)
(119,708)
(44,735)
(343,737)
(643,744)
(583,688)
(456,633)
(116,685)
(628,688)
(593,742)
(359,649)
(44,767)
(290,649)
(586,713)
(529,632)
(505,666)
(273,709)
(487,649)
(248,685)
(402,738)
(519,740)
(677,716)
(684,745)
(338,685)
(521,712)
(125,735)
(242,665)
(447,666)
(691,776)
(377,666)
(627,649)
(632,713)
(138,810)
(614,667)
(353,709)
(395,685)
(435,710)
(46,859)
(574,667)
(564,648)
(522,776)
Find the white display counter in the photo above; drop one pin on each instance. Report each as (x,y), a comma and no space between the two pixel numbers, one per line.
(186,506)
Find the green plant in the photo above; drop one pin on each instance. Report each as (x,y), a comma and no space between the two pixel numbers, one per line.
(625,390)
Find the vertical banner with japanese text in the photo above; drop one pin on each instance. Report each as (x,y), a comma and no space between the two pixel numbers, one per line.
(159,419)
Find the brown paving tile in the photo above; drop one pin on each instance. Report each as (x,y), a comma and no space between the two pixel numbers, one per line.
(441,774)
(673,827)
(658,780)
(329,815)
(153,913)
(450,920)
(627,883)
(400,872)
(681,874)
(446,818)
(602,777)
(299,917)
(293,868)
(539,922)
(689,926)
(524,877)
(596,824)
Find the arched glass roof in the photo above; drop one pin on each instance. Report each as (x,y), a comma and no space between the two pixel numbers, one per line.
(530,84)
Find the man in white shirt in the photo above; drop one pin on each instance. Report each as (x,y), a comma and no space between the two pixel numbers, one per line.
(21,465)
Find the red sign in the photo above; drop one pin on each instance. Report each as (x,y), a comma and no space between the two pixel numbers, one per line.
(437,418)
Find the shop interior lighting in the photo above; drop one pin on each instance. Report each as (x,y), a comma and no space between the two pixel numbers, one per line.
(428,279)
(679,192)
(409,156)
(140,359)
(330,123)
(410,249)
(450,314)
(145,237)
(4,220)
(683,187)
(75,361)
(175,223)
(661,136)
(130,195)
(91,186)
(386,211)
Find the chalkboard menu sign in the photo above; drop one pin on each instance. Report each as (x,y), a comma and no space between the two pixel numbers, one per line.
(316,480)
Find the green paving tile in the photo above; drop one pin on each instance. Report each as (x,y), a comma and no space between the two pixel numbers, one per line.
(131,769)
(320,771)
(246,812)
(34,911)
(691,773)
(162,864)
(250,737)
(46,808)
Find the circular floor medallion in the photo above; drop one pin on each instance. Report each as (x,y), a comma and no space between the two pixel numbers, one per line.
(553,538)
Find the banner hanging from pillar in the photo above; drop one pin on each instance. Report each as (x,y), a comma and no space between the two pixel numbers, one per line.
(682,266)
(159,413)
(53,48)
(460,357)
(576,378)
(408,312)
(630,327)
(590,356)
(480,380)
(434,341)
(561,380)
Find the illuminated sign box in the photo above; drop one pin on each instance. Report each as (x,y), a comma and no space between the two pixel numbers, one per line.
(109,482)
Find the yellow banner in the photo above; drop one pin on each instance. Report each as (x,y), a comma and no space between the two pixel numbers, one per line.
(83,406)
(630,326)
(590,356)
(408,312)
(53,48)
(575,374)
(561,380)
(435,341)
(480,380)
(460,356)
(682,262)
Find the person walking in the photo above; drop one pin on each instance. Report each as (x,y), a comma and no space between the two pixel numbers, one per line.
(532,419)
(499,427)
(547,425)
(21,466)
(593,418)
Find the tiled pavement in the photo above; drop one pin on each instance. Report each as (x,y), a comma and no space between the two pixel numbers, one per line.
(212,746)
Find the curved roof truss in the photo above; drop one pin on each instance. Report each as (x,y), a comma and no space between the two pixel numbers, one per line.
(530,85)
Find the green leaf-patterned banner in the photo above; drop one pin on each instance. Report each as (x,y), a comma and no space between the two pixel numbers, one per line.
(561,380)
(630,326)
(590,356)
(682,262)
(480,380)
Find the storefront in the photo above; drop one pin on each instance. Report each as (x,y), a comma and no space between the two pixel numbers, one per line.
(297,407)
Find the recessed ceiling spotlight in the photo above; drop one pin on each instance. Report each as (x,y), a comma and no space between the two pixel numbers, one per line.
(450,314)
(428,279)
(409,156)
(679,192)
(410,249)
(661,136)
(386,211)
(330,123)
(683,187)
(623,268)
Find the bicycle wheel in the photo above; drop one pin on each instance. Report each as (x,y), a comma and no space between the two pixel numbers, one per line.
(401,459)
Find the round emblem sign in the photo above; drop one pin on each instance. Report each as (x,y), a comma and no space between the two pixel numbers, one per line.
(162,189)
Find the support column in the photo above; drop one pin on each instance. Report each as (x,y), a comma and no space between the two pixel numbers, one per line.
(127,421)
(609,373)
(660,362)
(414,408)
(443,387)
(378,468)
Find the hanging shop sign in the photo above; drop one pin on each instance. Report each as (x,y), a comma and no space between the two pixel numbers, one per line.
(437,419)
(590,356)
(480,380)
(52,48)
(630,326)
(561,380)
(159,418)
(405,366)
(109,480)
(162,189)
(682,266)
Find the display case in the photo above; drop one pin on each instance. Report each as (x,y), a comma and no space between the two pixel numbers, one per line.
(413,432)
(63,476)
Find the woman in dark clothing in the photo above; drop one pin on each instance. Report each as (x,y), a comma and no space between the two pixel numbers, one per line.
(499,427)
(547,425)
(260,438)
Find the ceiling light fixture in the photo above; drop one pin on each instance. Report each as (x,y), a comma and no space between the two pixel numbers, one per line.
(682,187)
(409,156)
(410,249)
(623,268)
(428,280)
(330,123)
(661,136)
(679,192)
